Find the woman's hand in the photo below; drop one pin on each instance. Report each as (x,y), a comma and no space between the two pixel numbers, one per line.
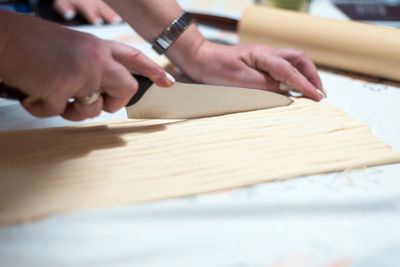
(251,66)
(256,66)
(53,64)
(95,11)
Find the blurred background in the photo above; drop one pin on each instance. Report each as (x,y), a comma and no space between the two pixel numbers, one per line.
(383,12)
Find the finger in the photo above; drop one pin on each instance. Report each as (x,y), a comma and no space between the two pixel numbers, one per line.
(90,11)
(65,9)
(118,86)
(135,61)
(304,64)
(257,80)
(283,71)
(44,109)
(108,14)
(78,111)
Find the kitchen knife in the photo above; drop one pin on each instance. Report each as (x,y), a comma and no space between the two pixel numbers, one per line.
(185,100)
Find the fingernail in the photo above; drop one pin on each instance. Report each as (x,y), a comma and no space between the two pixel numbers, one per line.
(324,92)
(321,93)
(30,100)
(116,20)
(170,77)
(69,14)
(99,21)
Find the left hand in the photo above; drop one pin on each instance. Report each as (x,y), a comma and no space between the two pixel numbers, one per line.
(256,66)
(251,66)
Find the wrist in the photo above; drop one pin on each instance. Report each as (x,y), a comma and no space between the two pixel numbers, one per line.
(183,52)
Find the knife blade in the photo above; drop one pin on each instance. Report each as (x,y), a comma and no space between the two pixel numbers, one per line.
(185,100)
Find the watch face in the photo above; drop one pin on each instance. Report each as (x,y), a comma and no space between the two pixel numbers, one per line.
(172,32)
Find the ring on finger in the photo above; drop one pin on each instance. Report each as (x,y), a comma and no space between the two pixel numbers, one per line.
(90,99)
(284,87)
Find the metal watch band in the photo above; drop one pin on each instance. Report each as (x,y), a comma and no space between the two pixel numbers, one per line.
(172,32)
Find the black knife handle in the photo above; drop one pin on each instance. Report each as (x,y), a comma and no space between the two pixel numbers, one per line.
(144,84)
(11,92)
(15,94)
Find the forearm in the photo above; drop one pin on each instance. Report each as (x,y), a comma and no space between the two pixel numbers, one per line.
(150,17)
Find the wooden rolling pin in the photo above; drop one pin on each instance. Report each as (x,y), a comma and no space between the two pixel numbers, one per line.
(348,45)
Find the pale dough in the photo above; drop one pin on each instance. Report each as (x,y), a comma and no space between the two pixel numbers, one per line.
(48,171)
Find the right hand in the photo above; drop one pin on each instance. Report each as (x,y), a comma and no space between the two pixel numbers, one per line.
(52,64)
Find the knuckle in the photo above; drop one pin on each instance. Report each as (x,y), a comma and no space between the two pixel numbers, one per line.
(257,50)
(128,85)
(293,52)
(96,52)
(132,88)
(296,57)
(78,65)
(133,57)
(156,70)
(301,53)
(300,57)
(128,91)
(91,51)
(114,69)
(134,53)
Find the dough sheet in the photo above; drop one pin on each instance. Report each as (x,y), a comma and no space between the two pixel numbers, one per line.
(48,171)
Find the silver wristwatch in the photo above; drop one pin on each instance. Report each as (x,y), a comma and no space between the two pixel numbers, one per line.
(172,32)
